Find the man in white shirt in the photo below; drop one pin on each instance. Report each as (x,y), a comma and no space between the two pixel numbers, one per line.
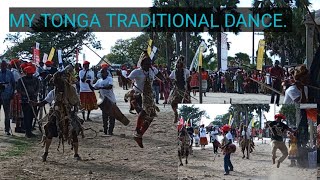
(105,85)
(87,96)
(181,91)
(227,140)
(142,76)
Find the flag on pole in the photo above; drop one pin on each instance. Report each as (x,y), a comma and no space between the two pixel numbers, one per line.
(60,56)
(153,52)
(251,125)
(260,54)
(149,47)
(195,60)
(51,54)
(230,120)
(45,58)
(36,53)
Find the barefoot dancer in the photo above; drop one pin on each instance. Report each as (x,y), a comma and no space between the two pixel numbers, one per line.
(181,91)
(62,119)
(278,129)
(144,99)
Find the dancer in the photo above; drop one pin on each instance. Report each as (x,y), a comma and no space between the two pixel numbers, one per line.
(16,110)
(144,99)
(87,96)
(214,139)
(278,129)
(293,148)
(203,137)
(62,119)
(181,91)
(110,110)
(227,148)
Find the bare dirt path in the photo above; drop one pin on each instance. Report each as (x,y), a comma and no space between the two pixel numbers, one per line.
(202,165)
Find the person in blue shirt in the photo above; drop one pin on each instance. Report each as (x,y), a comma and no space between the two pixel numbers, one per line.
(7,87)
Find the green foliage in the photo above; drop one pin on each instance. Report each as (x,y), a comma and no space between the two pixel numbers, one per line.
(68,40)
(192,113)
(290,46)
(289,111)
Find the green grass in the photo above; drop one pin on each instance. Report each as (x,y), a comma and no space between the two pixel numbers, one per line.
(17,147)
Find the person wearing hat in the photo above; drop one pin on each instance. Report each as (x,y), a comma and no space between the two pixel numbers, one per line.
(28,86)
(277,74)
(15,106)
(181,91)
(87,96)
(7,87)
(227,149)
(278,130)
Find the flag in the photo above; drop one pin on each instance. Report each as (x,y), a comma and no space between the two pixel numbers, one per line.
(251,125)
(36,55)
(195,60)
(45,58)
(51,54)
(181,123)
(224,52)
(261,46)
(60,56)
(153,52)
(149,47)
(230,120)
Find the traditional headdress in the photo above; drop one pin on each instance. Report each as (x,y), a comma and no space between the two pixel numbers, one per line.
(281,116)
(225,128)
(86,62)
(48,63)
(144,55)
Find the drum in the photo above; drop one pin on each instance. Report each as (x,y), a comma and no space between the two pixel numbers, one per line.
(113,110)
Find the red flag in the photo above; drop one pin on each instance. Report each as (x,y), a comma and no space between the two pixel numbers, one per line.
(36,55)
(181,123)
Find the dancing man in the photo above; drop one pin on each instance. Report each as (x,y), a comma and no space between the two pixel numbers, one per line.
(181,91)
(278,129)
(62,119)
(144,98)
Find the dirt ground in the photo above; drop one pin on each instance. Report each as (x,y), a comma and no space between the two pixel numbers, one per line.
(103,157)
(204,165)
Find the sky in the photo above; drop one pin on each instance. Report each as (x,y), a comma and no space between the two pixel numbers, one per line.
(219,109)
(239,43)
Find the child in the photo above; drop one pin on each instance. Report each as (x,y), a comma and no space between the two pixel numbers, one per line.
(293,149)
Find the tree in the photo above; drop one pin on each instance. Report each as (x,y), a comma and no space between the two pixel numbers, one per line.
(247,109)
(192,113)
(290,46)
(289,111)
(243,58)
(68,39)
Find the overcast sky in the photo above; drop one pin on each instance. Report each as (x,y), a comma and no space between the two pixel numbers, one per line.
(240,43)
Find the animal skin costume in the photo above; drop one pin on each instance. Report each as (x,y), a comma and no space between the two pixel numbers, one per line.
(62,120)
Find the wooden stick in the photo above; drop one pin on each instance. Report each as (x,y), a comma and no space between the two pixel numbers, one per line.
(263,84)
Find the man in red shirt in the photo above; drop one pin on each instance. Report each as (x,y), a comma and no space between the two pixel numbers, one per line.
(277,74)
